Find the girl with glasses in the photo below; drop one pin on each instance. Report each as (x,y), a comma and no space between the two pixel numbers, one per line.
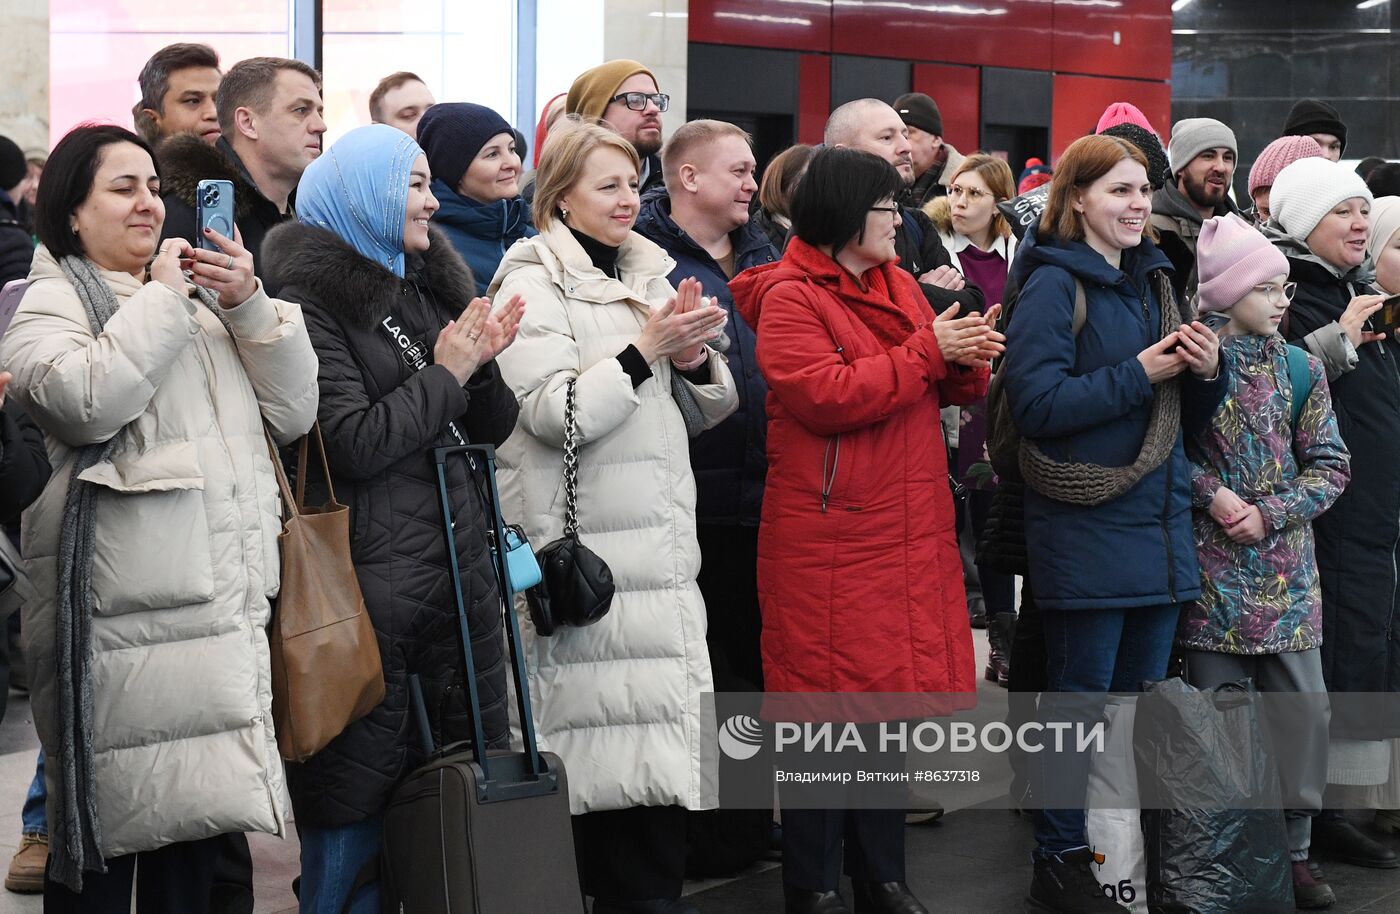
(1270,462)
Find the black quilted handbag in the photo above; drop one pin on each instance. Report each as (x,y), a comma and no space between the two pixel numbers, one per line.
(577,586)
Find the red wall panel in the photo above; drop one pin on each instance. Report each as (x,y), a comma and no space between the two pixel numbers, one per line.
(958,91)
(1001,32)
(814,96)
(762,23)
(1080,100)
(1129,38)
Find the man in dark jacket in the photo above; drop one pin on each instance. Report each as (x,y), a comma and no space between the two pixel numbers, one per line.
(701,218)
(270,115)
(178,87)
(16,247)
(1202,152)
(935,161)
(871,125)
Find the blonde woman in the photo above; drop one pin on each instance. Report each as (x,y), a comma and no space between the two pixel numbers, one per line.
(618,700)
(980,241)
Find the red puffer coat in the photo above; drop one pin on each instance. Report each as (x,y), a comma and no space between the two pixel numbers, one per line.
(859,577)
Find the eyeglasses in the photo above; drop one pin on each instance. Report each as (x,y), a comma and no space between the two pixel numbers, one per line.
(973,194)
(637,101)
(1272,293)
(893,210)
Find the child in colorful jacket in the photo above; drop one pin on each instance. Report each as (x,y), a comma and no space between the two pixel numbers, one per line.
(1264,468)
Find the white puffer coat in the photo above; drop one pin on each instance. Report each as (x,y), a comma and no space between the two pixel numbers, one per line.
(186,543)
(619,700)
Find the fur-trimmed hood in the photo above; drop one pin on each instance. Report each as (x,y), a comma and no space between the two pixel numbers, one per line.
(352,286)
(185,160)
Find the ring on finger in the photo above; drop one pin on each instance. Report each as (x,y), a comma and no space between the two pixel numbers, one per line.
(230,263)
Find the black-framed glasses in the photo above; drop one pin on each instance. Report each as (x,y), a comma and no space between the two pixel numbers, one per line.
(1273,293)
(894,210)
(637,101)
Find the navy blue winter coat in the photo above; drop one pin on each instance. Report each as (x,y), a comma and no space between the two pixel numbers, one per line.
(730,460)
(481,232)
(1088,399)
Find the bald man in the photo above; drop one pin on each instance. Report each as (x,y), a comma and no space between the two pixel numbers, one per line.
(873,126)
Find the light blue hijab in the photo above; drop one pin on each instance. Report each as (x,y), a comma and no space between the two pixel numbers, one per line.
(358,189)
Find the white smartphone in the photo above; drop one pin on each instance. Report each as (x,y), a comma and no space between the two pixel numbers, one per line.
(10,297)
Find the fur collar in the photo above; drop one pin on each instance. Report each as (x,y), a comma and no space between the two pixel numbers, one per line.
(353,287)
(185,160)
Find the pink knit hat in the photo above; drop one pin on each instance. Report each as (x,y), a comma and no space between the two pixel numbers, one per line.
(1277,156)
(1232,257)
(1124,113)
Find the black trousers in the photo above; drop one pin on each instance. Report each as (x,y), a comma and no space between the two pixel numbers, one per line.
(631,854)
(728,581)
(816,843)
(998,590)
(174,879)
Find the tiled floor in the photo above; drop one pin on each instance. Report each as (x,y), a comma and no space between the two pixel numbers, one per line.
(976,861)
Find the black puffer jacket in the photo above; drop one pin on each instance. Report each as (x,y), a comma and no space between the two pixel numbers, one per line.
(380,419)
(16,247)
(24,462)
(1358,539)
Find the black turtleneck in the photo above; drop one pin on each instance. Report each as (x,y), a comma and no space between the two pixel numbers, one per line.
(604,257)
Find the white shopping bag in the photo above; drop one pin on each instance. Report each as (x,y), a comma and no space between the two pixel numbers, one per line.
(1115,834)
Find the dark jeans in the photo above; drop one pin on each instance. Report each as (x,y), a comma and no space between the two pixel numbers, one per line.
(631,854)
(1095,651)
(1026,682)
(174,879)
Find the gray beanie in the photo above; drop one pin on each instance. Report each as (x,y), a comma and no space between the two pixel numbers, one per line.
(1195,135)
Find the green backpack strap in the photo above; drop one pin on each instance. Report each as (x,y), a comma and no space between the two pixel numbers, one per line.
(1300,379)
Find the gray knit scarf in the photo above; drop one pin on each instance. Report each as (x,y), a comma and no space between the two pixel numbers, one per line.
(1091,484)
(76,834)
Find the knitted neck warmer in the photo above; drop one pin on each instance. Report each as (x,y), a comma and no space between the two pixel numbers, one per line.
(1091,484)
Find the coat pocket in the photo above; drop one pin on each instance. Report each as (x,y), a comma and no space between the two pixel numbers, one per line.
(152,547)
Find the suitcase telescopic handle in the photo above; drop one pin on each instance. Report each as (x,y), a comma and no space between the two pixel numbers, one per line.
(482,458)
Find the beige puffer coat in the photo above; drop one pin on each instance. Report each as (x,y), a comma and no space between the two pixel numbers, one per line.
(618,700)
(186,552)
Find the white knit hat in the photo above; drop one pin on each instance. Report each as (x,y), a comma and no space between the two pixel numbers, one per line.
(1385,221)
(1307,190)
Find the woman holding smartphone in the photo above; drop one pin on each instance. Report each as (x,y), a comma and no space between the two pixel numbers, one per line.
(1110,399)
(1321,220)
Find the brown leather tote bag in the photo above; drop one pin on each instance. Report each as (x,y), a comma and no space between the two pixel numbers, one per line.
(326,670)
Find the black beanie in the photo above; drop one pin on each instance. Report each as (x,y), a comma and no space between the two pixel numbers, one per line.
(1310,116)
(13,167)
(1159,170)
(918,110)
(452,133)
